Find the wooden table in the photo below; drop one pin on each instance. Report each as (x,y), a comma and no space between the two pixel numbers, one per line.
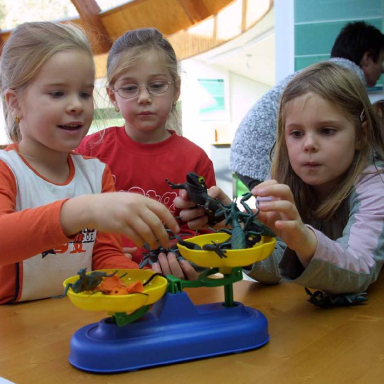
(308,344)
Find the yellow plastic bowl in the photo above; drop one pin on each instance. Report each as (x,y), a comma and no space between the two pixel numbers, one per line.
(90,301)
(235,257)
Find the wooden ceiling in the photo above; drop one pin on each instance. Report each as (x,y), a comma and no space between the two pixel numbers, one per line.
(172,17)
(168,16)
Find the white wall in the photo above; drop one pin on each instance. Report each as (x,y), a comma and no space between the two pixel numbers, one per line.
(201,133)
(240,95)
(243,95)
(284,38)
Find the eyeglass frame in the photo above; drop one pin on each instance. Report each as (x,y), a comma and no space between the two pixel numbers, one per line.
(143,86)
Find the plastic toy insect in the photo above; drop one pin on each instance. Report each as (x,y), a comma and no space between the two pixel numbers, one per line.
(214,247)
(324,300)
(197,192)
(86,281)
(114,285)
(239,235)
(246,229)
(151,256)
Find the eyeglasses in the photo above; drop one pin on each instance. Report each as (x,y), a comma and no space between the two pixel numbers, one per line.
(156,88)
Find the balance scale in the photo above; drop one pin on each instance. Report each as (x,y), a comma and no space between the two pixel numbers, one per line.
(162,326)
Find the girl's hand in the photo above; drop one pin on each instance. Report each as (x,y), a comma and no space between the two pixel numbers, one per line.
(195,216)
(139,218)
(129,251)
(169,265)
(282,216)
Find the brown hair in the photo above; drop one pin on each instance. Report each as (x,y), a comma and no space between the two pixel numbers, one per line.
(378,106)
(344,89)
(25,52)
(129,49)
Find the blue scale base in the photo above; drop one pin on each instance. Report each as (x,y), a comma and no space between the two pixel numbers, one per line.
(173,331)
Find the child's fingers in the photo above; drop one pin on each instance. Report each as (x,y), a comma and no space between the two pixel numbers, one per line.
(184,194)
(292,232)
(285,208)
(127,254)
(183,203)
(165,217)
(218,193)
(145,228)
(180,269)
(164,265)
(156,268)
(268,218)
(151,229)
(198,223)
(188,270)
(130,250)
(174,265)
(255,190)
(191,214)
(135,236)
(170,265)
(273,189)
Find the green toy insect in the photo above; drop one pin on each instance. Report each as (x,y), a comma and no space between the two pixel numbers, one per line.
(86,281)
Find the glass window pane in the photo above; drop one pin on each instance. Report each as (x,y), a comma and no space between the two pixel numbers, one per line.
(13,13)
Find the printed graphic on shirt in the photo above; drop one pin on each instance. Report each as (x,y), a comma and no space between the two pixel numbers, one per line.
(87,235)
(167,198)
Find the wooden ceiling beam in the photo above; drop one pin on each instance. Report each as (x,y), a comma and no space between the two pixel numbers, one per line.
(2,41)
(195,10)
(89,12)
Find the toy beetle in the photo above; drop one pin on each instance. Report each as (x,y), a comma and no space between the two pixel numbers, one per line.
(86,281)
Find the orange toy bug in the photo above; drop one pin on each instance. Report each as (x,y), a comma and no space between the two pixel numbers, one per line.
(113,285)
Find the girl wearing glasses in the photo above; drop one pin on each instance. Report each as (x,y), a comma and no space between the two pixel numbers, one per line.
(144,86)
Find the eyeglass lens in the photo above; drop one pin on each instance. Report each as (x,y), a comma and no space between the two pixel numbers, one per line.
(154,88)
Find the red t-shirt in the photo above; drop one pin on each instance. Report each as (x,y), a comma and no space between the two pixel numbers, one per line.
(143,168)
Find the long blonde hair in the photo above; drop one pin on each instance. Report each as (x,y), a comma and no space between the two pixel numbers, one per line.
(342,88)
(25,52)
(130,48)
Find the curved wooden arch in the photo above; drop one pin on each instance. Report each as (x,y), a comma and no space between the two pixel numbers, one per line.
(191,26)
(210,33)
(168,16)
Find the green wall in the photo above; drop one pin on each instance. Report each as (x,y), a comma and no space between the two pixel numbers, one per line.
(318,22)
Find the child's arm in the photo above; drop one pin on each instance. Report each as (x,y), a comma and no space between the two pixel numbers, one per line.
(281,215)
(351,263)
(137,217)
(26,233)
(31,231)
(107,252)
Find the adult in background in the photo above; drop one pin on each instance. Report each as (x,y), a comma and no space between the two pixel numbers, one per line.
(359,47)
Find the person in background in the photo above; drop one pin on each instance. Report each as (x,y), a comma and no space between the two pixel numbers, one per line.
(144,86)
(378,106)
(56,215)
(326,193)
(359,47)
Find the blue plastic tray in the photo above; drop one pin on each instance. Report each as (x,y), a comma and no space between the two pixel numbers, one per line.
(174,330)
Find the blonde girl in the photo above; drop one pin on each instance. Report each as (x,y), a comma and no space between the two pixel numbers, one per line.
(55,212)
(144,86)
